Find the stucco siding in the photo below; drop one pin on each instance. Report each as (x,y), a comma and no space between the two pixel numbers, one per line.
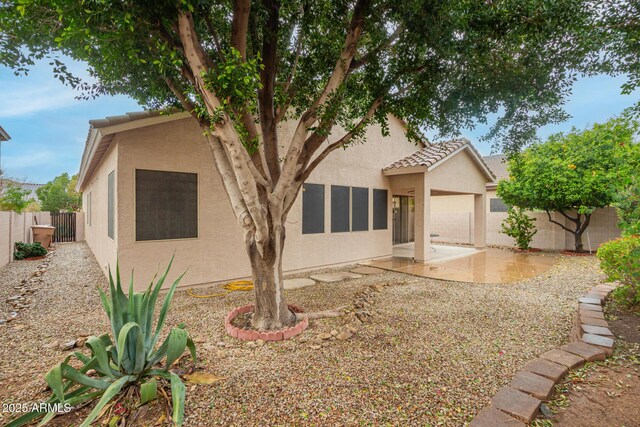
(218,253)
(95,233)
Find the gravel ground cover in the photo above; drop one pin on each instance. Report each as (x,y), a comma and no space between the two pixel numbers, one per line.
(431,353)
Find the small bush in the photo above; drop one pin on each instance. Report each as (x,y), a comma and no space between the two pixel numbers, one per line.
(519,226)
(28,250)
(620,260)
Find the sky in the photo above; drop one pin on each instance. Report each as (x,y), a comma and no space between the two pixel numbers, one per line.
(48,126)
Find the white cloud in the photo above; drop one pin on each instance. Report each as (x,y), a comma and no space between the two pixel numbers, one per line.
(22,98)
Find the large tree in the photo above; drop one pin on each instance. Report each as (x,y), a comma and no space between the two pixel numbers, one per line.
(60,194)
(241,67)
(574,173)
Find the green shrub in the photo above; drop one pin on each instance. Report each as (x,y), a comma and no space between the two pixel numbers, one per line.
(130,360)
(628,208)
(620,260)
(28,250)
(520,226)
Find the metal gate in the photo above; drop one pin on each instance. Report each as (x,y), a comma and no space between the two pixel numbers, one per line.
(65,224)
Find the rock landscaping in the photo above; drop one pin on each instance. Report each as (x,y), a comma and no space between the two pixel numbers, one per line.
(408,351)
(522,399)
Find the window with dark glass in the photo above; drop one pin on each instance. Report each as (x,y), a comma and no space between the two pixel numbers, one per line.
(111,204)
(312,208)
(359,209)
(166,205)
(497,205)
(380,209)
(339,209)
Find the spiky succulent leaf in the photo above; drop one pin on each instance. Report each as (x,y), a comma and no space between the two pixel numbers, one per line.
(177,343)
(177,398)
(108,394)
(148,391)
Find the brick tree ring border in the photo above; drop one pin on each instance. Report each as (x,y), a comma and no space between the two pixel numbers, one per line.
(251,335)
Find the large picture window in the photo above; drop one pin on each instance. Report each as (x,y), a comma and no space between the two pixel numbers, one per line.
(312,208)
(166,205)
(380,209)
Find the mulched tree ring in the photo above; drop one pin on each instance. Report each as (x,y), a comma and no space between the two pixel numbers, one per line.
(574,253)
(236,329)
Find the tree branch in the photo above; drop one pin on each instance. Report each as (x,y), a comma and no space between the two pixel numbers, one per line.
(340,71)
(266,93)
(560,224)
(364,59)
(239,26)
(570,218)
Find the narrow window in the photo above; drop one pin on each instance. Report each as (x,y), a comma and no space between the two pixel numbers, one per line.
(111,202)
(166,205)
(379,209)
(89,208)
(497,205)
(312,208)
(359,209)
(339,209)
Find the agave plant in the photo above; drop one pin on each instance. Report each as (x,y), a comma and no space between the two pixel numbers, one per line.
(131,359)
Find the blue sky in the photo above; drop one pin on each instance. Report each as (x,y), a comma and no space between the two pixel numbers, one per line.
(48,126)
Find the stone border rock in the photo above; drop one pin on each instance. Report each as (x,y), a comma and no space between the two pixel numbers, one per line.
(26,289)
(251,335)
(518,403)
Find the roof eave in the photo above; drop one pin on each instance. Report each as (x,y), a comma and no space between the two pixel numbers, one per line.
(100,130)
(4,136)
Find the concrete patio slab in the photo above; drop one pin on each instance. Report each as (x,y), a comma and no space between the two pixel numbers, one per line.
(335,277)
(472,265)
(290,284)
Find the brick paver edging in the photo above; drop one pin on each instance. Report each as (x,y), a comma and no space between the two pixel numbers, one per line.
(518,403)
(251,335)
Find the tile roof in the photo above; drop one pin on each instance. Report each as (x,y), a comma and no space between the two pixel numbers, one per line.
(498,165)
(429,155)
(434,153)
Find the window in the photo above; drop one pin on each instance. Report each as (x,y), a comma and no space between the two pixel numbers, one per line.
(339,209)
(359,209)
(497,205)
(89,208)
(379,209)
(312,208)
(166,205)
(111,202)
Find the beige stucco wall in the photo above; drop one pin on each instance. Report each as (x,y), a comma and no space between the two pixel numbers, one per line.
(95,232)
(218,253)
(450,219)
(16,227)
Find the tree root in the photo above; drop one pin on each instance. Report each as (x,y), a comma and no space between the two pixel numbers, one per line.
(322,314)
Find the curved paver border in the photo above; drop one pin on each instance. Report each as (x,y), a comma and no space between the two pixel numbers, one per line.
(251,335)
(518,403)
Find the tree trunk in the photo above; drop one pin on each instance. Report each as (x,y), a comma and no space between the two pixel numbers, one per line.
(578,237)
(272,311)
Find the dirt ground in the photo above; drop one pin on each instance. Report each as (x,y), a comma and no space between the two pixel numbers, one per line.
(606,394)
(430,353)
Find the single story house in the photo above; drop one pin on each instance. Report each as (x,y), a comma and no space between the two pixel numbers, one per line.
(150,189)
